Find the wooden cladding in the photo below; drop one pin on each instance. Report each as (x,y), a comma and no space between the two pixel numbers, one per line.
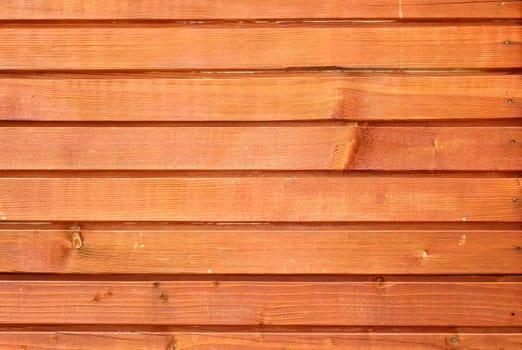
(284,96)
(242,174)
(260,198)
(229,249)
(260,46)
(251,9)
(343,147)
(262,303)
(257,340)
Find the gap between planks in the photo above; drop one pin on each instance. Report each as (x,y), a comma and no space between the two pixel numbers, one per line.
(226,174)
(241,23)
(368,279)
(147,328)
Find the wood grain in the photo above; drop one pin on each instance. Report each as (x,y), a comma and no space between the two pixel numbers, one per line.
(258,341)
(438,148)
(166,181)
(260,198)
(260,97)
(240,9)
(260,46)
(229,251)
(267,303)
(205,147)
(262,148)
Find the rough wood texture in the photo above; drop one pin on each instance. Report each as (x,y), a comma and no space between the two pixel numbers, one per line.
(260,97)
(252,9)
(267,303)
(276,251)
(258,341)
(260,46)
(262,148)
(264,198)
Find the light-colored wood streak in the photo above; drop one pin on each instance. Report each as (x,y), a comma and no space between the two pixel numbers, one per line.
(258,341)
(252,9)
(261,148)
(267,303)
(261,97)
(260,251)
(260,46)
(260,198)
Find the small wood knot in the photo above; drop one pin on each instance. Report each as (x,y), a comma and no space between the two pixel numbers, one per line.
(510,101)
(507,42)
(512,141)
(453,339)
(518,249)
(76,238)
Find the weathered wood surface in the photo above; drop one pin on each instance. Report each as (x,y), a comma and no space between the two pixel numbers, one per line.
(260,97)
(260,46)
(264,250)
(304,198)
(252,9)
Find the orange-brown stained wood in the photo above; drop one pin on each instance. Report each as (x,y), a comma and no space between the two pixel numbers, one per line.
(258,341)
(205,147)
(260,97)
(377,303)
(444,148)
(262,148)
(260,251)
(260,46)
(252,9)
(260,198)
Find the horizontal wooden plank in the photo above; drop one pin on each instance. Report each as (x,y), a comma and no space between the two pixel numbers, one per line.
(438,148)
(268,303)
(262,148)
(287,147)
(261,46)
(297,251)
(260,97)
(240,9)
(258,341)
(260,198)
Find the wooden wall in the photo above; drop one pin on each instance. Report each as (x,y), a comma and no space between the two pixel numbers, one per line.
(243,174)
